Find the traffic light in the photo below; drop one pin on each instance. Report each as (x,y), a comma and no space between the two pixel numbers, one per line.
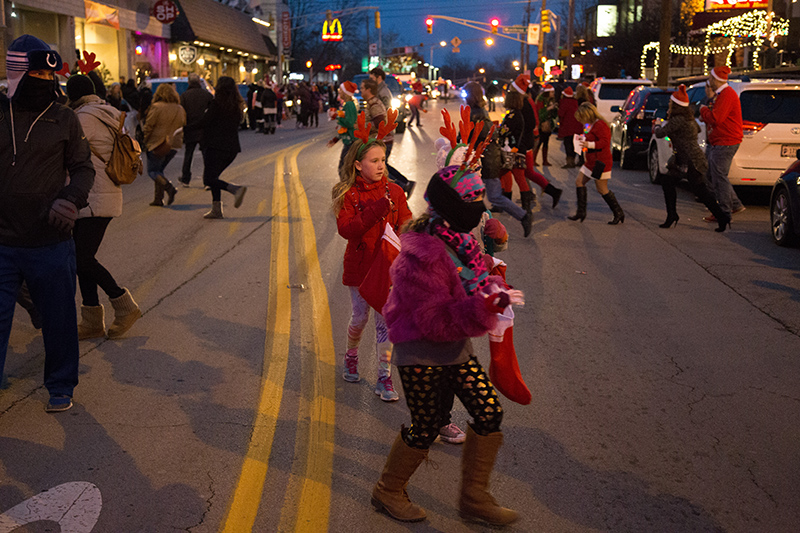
(308,64)
(378,20)
(545,21)
(429,24)
(495,24)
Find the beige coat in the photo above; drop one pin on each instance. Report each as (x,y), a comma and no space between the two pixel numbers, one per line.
(162,120)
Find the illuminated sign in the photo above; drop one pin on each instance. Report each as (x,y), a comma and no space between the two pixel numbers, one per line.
(607,21)
(332,31)
(332,67)
(712,5)
(165,11)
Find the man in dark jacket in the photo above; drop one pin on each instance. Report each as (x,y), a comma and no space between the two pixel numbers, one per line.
(195,101)
(41,142)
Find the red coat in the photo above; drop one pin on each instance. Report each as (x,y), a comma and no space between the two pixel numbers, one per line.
(724,119)
(361,221)
(566,116)
(600,134)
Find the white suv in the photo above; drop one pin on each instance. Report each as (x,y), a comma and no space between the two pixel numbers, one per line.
(771,120)
(611,92)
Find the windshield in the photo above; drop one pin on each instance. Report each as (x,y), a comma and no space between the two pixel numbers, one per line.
(615,91)
(658,102)
(777,106)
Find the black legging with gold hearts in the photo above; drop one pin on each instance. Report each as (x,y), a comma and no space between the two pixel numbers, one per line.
(425,389)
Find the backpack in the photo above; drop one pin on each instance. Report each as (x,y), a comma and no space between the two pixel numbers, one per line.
(125,163)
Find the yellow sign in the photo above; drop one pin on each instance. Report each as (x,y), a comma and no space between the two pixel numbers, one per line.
(332,31)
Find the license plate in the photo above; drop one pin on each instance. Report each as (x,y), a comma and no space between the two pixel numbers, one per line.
(789,150)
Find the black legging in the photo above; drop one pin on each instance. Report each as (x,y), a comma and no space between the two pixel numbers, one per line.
(88,234)
(543,140)
(697,181)
(427,391)
(214,163)
(569,146)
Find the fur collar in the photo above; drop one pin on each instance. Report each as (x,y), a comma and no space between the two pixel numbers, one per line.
(423,246)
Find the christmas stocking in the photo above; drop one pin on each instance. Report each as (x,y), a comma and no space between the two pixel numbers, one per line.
(504,368)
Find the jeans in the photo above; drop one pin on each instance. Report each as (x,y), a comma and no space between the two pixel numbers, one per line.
(156,165)
(719,164)
(394,174)
(414,114)
(49,272)
(494,193)
(88,235)
(214,163)
(188,155)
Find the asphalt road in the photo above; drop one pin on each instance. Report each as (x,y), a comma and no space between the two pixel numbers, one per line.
(663,365)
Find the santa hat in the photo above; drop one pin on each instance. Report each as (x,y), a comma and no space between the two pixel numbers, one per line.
(568,92)
(680,97)
(28,53)
(548,88)
(721,73)
(585,84)
(349,88)
(521,83)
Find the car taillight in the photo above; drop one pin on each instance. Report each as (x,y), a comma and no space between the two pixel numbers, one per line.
(749,127)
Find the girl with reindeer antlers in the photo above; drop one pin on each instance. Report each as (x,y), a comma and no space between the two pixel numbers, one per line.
(442,295)
(364,201)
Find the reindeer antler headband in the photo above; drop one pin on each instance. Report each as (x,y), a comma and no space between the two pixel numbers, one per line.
(85,65)
(469,135)
(363,129)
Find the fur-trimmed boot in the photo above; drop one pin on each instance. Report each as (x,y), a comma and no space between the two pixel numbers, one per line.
(390,494)
(126,313)
(92,323)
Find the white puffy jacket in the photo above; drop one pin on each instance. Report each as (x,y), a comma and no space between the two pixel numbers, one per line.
(98,119)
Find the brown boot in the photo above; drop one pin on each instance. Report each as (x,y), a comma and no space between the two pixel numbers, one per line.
(390,493)
(92,322)
(158,199)
(126,313)
(477,461)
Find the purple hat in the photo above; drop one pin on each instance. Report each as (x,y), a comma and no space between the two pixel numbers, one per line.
(29,53)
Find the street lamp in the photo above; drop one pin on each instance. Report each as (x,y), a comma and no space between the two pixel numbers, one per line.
(515,63)
(489,41)
(442,43)
(482,70)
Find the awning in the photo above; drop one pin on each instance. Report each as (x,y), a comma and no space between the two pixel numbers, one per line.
(214,23)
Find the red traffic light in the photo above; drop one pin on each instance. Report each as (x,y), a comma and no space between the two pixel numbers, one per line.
(495,22)
(429,23)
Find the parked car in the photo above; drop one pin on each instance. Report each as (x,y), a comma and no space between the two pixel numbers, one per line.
(632,125)
(610,92)
(785,205)
(398,102)
(771,119)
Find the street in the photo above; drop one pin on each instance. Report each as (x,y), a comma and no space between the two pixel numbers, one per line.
(663,365)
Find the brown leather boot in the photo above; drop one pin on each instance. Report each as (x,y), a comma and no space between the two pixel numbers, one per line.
(158,198)
(390,494)
(477,462)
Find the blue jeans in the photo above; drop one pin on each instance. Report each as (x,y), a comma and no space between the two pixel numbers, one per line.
(49,272)
(494,193)
(156,165)
(719,164)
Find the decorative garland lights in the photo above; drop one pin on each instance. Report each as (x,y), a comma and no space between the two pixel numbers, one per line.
(757,25)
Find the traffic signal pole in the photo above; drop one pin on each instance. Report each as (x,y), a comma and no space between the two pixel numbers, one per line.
(476,25)
(540,51)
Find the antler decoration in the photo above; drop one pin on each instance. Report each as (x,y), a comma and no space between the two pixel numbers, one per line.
(449,130)
(481,147)
(362,129)
(391,123)
(465,125)
(64,70)
(476,131)
(88,63)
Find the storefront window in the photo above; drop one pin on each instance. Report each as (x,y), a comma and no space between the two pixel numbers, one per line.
(42,25)
(103,41)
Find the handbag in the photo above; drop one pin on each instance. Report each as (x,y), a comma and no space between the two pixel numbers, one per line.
(377,283)
(170,142)
(512,160)
(546,126)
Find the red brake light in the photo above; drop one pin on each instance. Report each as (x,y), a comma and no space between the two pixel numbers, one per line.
(751,127)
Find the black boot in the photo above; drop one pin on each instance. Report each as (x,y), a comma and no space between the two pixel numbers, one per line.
(527,223)
(580,214)
(570,162)
(167,187)
(554,192)
(527,200)
(158,198)
(710,201)
(619,215)
(670,199)
(508,195)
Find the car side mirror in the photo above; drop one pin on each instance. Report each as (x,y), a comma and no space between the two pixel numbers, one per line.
(615,109)
(650,113)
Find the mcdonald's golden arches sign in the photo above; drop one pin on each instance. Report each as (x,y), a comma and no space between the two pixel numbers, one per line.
(332,31)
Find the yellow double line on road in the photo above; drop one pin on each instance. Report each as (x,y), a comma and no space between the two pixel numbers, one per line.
(309,492)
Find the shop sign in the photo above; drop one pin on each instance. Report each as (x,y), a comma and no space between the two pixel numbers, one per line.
(712,5)
(286,31)
(187,54)
(332,31)
(165,11)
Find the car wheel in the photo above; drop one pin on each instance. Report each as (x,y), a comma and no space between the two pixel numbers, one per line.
(652,166)
(781,219)
(625,157)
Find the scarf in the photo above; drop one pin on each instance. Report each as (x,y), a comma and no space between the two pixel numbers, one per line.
(472,271)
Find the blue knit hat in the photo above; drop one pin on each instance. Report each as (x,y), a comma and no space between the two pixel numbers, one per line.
(29,53)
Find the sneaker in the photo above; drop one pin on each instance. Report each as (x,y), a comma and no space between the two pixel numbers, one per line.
(58,403)
(385,390)
(452,433)
(351,368)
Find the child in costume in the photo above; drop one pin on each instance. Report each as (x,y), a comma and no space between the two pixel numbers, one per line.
(346,118)
(442,295)
(364,201)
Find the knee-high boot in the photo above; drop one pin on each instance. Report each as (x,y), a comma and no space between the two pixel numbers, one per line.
(710,201)
(619,215)
(527,200)
(477,462)
(158,198)
(390,493)
(167,187)
(671,200)
(580,214)
(554,193)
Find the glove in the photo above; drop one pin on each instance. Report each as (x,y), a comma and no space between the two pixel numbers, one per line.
(488,262)
(496,302)
(494,229)
(63,214)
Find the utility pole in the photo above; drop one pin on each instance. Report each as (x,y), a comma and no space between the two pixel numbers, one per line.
(664,58)
(570,35)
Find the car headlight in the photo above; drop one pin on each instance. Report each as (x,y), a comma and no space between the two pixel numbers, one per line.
(288,103)
(395,103)
(408,98)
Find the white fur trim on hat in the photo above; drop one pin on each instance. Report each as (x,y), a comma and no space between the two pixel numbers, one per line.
(677,101)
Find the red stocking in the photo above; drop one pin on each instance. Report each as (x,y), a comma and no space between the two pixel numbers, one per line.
(531,174)
(504,370)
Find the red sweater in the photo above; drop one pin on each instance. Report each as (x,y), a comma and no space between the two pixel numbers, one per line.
(723,118)
(566,114)
(361,221)
(601,135)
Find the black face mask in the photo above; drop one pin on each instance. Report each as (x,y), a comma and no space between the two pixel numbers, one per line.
(462,216)
(35,93)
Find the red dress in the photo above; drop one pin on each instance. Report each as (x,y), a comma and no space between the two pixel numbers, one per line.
(600,135)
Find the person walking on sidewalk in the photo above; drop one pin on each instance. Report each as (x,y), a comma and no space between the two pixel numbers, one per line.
(568,124)
(163,134)
(682,131)
(195,102)
(364,201)
(269,106)
(220,143)
(441,296)
(546,113)
(596,147)
(99,121)
(46,174)
(723,117)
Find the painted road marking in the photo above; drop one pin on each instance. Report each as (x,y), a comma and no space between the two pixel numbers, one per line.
(198,252)
(247,496)
(75,506)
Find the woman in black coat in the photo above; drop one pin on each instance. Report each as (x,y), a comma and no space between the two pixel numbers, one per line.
(220,143)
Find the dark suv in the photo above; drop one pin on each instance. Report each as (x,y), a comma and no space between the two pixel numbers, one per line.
(633,122)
